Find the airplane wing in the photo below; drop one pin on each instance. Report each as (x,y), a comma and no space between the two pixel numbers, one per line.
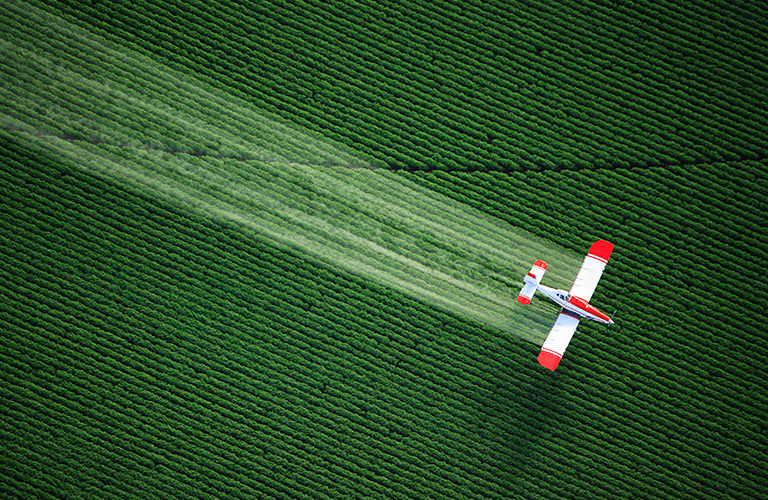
(558,339)
(591,270)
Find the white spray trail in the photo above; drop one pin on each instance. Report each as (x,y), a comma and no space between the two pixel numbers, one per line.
(132,120)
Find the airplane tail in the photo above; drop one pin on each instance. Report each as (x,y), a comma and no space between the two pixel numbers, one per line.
(532,280)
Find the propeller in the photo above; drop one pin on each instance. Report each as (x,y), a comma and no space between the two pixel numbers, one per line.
(609,325)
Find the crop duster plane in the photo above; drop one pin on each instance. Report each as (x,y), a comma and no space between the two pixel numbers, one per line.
(575,304)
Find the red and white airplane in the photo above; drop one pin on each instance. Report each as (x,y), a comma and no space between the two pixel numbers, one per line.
(575,304)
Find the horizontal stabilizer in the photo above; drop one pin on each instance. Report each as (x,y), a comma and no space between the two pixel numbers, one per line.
(532,280)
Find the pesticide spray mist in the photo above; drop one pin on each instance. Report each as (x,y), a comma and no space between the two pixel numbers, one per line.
(175,138)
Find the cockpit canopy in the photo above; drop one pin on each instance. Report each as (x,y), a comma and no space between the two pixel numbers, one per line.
(565,297)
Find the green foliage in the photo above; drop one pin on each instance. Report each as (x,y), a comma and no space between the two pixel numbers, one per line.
(148,352)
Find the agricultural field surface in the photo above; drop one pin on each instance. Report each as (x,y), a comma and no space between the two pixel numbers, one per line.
(272,249)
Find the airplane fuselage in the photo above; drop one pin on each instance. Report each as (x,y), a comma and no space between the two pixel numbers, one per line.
(576,305)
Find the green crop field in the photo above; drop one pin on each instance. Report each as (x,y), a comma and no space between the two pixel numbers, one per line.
(272,250)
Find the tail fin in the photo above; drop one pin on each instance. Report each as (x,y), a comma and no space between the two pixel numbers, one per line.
(532,281)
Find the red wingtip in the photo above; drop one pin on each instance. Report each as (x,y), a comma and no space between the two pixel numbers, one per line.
(523,300)
(601,249)
(549,359)
(540,263)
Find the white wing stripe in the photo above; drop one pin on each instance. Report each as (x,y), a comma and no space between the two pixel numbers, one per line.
(600,259)
(553,352)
